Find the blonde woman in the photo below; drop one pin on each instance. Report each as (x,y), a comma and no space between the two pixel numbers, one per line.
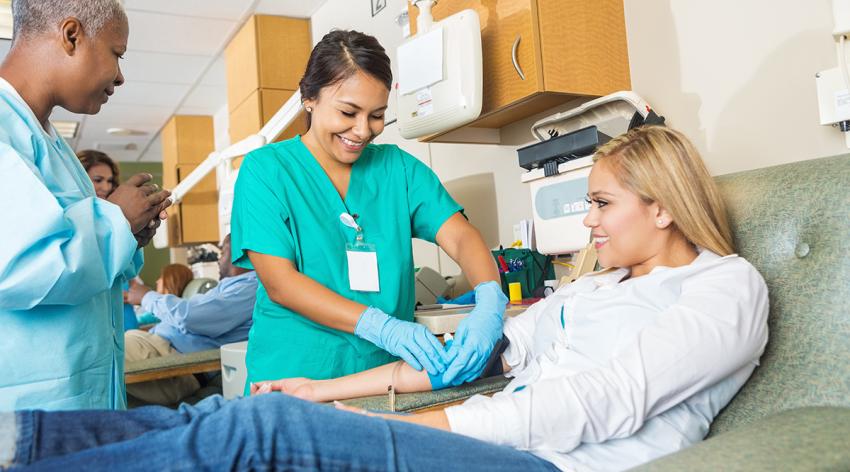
(618,368)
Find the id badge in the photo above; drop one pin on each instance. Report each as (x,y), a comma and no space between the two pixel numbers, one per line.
(362,267)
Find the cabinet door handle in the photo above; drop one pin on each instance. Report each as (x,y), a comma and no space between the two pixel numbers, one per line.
(513,57)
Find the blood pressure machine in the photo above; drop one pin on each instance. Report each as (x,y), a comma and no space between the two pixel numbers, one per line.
(558,165)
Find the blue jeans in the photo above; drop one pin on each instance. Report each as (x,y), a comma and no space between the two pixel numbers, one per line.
(266,432)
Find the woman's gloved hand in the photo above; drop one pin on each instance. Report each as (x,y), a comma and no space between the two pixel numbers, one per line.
(476,335)
(410,341)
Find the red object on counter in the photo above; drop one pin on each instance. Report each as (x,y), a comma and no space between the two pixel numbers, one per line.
(503,264)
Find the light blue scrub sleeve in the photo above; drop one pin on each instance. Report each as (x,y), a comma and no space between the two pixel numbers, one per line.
(260,218)
(429,202)
(52,255)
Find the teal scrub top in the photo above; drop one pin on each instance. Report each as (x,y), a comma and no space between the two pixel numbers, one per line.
(286,206)
(64,255)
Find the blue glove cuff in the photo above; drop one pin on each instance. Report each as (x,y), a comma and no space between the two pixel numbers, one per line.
(370,325)
(490,295)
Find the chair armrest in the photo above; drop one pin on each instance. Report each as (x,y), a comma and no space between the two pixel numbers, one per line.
(173,365)
(811,438)
(410,402)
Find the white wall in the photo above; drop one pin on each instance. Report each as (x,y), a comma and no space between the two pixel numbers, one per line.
(736,76)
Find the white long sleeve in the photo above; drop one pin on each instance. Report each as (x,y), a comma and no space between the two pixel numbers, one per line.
(715,327)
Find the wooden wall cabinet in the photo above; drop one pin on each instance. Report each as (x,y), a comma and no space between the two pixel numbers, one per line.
(538,54)
(269,52)
(186,142)
(264,63)
(250,116)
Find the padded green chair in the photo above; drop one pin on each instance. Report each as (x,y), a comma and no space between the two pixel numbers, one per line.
(198,286)
(792,222)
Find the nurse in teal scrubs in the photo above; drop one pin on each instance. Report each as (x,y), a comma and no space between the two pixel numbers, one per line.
(327,219)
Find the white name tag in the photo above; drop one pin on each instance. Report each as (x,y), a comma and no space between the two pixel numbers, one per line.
(363,270)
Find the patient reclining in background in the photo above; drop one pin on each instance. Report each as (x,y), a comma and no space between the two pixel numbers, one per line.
(203,321)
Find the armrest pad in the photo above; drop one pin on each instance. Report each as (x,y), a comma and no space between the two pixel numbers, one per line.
(172,361)
(811,438)
(421,400)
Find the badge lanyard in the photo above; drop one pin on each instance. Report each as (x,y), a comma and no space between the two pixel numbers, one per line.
(362,260)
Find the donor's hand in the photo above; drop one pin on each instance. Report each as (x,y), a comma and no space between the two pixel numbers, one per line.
(299,387)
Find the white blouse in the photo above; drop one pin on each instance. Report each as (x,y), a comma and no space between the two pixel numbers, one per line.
(610,373)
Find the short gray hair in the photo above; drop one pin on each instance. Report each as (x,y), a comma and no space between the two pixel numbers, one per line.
(33,17)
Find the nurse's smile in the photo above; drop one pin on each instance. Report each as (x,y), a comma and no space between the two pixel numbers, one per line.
(351,145)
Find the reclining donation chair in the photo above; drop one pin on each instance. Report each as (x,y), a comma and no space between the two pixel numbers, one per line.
(792,222)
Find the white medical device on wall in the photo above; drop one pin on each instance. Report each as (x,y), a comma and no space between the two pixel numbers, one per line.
(558,165)
(223,161)
(440,85)
(834,84)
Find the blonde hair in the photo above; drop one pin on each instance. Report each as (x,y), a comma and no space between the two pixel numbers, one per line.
(661,166)
(175,277)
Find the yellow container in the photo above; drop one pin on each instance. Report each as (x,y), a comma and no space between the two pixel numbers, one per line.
(515,292)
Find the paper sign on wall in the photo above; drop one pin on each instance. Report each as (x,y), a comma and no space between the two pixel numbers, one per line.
(420,62)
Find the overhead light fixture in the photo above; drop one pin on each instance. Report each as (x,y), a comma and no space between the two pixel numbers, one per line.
(66,129)
(125,132)
(5,19)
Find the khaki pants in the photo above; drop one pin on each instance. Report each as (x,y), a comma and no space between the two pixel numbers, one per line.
(140,345)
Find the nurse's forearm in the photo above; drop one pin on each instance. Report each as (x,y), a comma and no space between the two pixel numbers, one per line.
(294,290)
(464,244)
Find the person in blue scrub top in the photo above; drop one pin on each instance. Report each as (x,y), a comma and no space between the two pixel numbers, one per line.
(327,219)
(105,175)
(203,321)
(64,253)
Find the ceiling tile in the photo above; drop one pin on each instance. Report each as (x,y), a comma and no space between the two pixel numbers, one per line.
(216,75)
(295,8)
(97,132)
(208,99)
(220,9)
(142,66)
(153,152)
(139,141)
(155,32)
(109,147)
(149,94)
(115,114)
(60,113)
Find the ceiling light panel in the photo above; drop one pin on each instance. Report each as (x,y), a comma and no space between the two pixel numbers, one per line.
(66,129)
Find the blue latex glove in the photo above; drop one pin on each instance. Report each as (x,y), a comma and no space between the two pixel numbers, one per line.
(410,341)
(437,380)
(476,335)
(467,298)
